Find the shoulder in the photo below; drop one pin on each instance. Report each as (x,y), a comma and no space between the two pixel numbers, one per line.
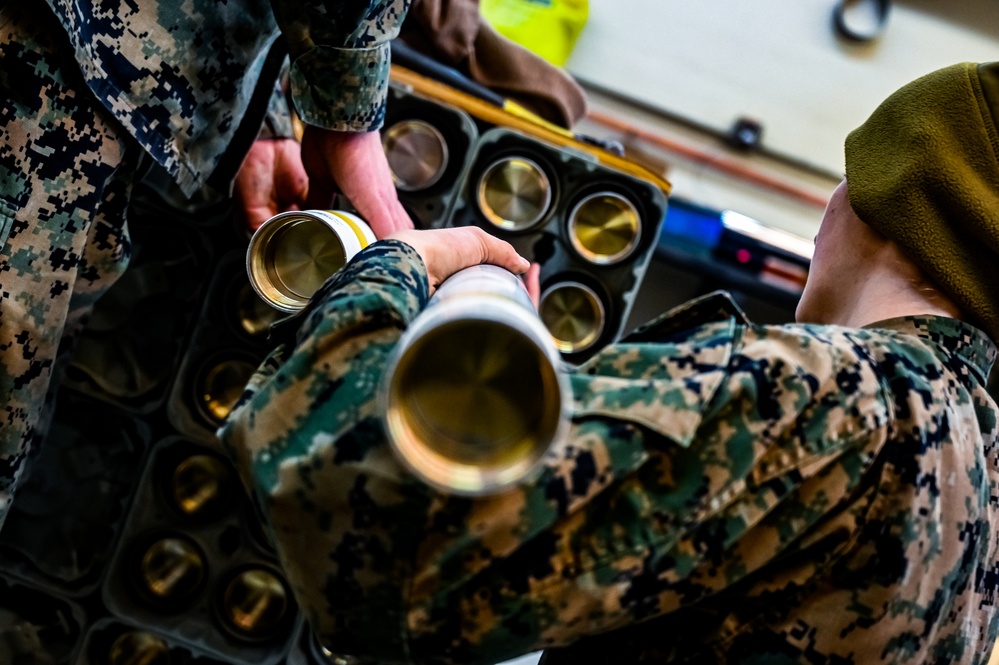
(818,384)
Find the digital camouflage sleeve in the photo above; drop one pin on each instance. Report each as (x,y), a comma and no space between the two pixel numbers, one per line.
(728,493)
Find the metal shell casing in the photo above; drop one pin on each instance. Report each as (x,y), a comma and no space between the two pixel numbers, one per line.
(201,486)
(574,315)
(293,253)
(514,193)
(475,394)
(417,154)
(254,603)
(171,570)
(219,385)
(605,228)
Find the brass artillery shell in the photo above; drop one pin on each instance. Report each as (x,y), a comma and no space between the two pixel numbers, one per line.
(605,228)
(417,154)
(201,486)
(293,253)
(220,385)
(573,314)
(171,570)
(514,193)
(254,603)
(137,647)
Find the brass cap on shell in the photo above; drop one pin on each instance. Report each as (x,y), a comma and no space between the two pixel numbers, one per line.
(171,569)
(201,486)
(514,193)
(254,602)
(417,154)
(220,386)
(573,314)
(137,647)
(604,228)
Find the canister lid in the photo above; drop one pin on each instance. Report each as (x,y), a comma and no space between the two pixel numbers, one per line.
(514,193)
(254,603)
(605,227)
(417,154)
(573,314)
(219,386)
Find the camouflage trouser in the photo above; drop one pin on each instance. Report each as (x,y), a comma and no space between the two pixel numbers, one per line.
(64,186)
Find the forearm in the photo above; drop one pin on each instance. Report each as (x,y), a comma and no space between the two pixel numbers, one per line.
(306,440)
(340,58)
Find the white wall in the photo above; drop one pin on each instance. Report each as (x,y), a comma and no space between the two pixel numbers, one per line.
(709,62)
(775,60)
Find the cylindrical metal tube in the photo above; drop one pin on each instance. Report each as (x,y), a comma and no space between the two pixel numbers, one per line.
(574,315)
(417,154)
(475,392)
(514,193)
(293,253)
(605,228)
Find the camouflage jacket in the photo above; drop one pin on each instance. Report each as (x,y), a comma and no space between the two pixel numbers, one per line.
(191,81)
(728,493)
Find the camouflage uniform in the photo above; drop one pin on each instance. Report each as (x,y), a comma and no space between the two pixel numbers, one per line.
(87,89)
(728,493)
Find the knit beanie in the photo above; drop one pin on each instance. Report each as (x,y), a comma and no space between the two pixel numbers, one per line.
(924,171)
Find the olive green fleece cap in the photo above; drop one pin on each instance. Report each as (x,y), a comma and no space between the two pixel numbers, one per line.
(924,171)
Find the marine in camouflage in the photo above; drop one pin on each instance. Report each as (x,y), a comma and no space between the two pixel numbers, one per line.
(182,77)
(63,191)
(87,87)
(728,493)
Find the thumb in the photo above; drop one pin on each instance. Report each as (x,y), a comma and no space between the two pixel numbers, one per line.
(501,253)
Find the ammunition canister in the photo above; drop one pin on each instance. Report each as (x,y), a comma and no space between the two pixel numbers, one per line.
(293,253)
(605,228)
(219,386)
(573,314)
(137,647)
(254,603)
(171,571)
(474,394)
(201,487)
(514,193)
(417,154)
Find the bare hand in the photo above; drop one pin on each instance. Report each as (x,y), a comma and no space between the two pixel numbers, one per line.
(356,163)
(446,251)
(270,180)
